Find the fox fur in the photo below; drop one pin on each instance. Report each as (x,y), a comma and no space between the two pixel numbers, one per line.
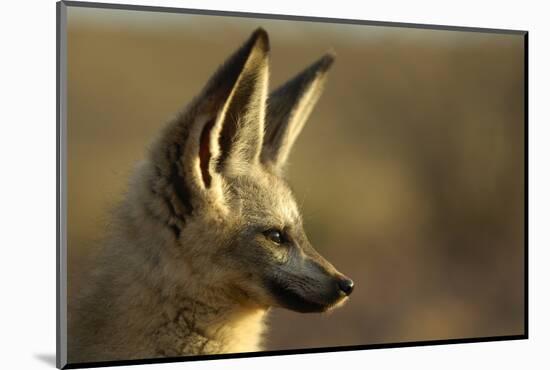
(209,236)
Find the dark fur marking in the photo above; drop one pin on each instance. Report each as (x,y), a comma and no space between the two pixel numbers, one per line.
(164,196)
(154,216)
(176,179)
(176,230)
(178,187)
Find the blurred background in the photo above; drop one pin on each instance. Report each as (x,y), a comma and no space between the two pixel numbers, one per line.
(410,170)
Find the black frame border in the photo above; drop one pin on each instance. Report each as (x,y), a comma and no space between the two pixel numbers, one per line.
(61,65)
(292,352)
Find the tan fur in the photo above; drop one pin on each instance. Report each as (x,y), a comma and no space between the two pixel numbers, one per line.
(190,265)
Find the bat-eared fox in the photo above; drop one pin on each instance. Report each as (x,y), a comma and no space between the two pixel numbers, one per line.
(209,236)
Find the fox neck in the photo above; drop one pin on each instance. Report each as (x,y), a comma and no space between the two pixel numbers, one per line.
(209,327)
(213,319)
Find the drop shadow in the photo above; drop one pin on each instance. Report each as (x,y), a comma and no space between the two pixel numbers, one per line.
(47,358)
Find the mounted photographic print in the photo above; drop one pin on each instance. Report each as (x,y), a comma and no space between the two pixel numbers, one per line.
(235,184)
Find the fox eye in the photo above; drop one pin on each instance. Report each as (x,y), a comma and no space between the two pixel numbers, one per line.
(275,236)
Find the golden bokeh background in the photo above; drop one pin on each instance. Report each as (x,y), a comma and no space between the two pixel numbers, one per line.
(410,171)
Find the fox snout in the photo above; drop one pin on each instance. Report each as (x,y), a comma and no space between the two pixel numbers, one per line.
(309,283)
(304,294)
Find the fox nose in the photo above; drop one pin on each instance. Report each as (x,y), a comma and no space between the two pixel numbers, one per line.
(346,286)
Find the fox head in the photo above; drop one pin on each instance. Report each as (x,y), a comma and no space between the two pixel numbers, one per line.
(231,226)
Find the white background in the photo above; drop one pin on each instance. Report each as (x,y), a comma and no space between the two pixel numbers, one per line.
(27,182)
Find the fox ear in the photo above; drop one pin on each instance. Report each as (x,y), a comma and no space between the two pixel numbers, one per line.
(288,109)
(221,131)
(231,112)
(237,93)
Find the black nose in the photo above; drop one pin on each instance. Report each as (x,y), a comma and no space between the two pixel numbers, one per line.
(346,286)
